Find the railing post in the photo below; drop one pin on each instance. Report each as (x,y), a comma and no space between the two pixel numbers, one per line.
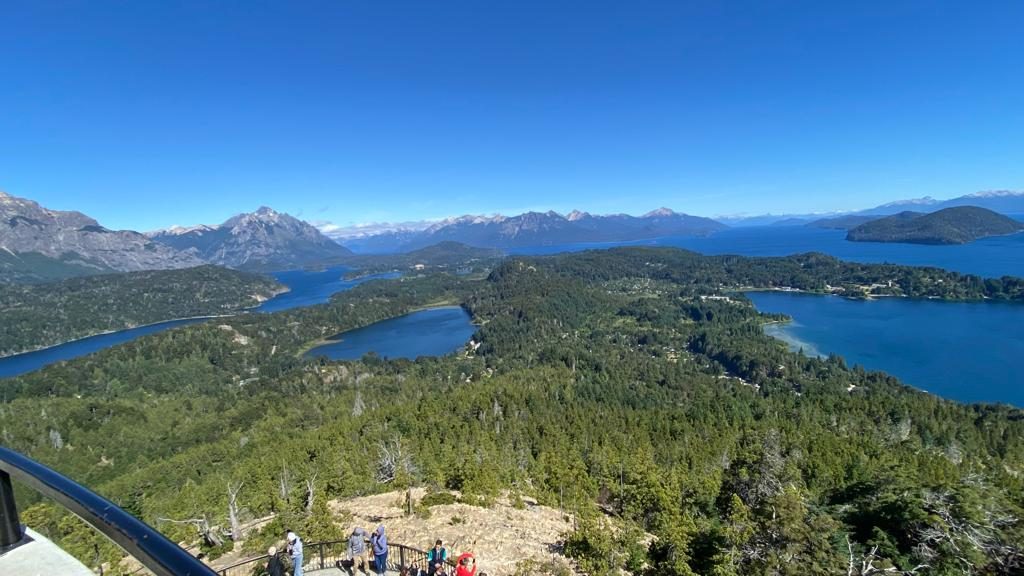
(321,547)
(401,558)
(10,524)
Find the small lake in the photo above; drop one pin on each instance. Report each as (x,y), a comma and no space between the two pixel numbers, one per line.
(990,257)
(966,351)
(431,332)
(306,288)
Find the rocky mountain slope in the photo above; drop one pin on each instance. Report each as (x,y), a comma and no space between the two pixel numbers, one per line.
(264,239)
(38,244)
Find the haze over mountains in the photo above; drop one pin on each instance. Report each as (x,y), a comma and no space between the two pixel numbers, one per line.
(1002,201)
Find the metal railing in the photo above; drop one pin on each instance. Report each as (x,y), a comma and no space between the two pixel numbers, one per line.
(321,555)
(151,548)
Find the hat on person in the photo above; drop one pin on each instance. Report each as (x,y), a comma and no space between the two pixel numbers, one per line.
(272,550)
(292,537)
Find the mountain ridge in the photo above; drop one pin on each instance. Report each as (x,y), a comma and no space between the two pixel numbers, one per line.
(263,239)
(39,243)
(955,225)
(537,229)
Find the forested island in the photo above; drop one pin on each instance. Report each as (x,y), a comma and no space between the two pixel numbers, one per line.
(635,380)
(39,315)
(957,225)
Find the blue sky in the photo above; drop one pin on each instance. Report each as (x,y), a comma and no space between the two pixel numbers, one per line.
(148,114)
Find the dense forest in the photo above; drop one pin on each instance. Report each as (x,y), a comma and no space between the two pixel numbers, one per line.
(39,315)
(608,376)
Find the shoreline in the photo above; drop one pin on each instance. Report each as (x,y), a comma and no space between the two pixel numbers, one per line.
(108,332)
(309,346)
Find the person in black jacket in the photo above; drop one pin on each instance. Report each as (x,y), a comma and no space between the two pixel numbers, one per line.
(274,565)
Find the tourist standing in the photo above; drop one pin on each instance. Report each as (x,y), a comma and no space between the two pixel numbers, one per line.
(379,543)
(295,551)
(357,550)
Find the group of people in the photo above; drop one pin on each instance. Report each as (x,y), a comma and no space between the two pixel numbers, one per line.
(437,564)
(357,551)
(359,557)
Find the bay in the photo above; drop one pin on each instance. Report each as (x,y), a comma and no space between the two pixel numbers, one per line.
(966,351)
(989,257)
(431,332)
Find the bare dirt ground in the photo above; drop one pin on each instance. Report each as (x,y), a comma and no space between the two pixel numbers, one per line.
(500,536)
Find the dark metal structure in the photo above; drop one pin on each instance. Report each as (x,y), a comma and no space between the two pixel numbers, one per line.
(149,547)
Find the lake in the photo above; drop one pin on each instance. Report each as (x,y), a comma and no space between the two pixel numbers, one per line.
(306,288)
(990,257)
(29,361)
(966,351)
(431,332)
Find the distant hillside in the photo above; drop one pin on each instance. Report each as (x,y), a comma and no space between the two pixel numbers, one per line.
(38,244)
(38,316)
(542,229)
(948,226)
(443,256)
(261,240)
(841,222)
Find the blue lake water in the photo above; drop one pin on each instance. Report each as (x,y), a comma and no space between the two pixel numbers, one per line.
(306,288)
(989,257)
(29,361)
(431,332)
(964,351)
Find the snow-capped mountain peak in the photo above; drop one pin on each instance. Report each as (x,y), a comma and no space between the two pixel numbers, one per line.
(660,213)
(996,194)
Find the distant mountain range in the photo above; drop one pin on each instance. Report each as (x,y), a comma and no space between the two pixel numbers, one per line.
(956,225)
(261,240)
(1002,201)
(537,229)
(38,244)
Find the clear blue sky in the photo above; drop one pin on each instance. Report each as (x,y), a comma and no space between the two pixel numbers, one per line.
(145,114)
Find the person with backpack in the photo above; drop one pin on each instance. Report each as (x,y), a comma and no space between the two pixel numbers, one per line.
(379,543)
(436,557)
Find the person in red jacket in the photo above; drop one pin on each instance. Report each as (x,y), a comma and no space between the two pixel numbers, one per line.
(465,565)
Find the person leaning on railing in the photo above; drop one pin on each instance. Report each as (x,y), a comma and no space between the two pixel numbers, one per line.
(274,565)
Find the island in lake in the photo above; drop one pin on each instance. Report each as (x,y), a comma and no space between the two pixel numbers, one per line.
(958,225)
